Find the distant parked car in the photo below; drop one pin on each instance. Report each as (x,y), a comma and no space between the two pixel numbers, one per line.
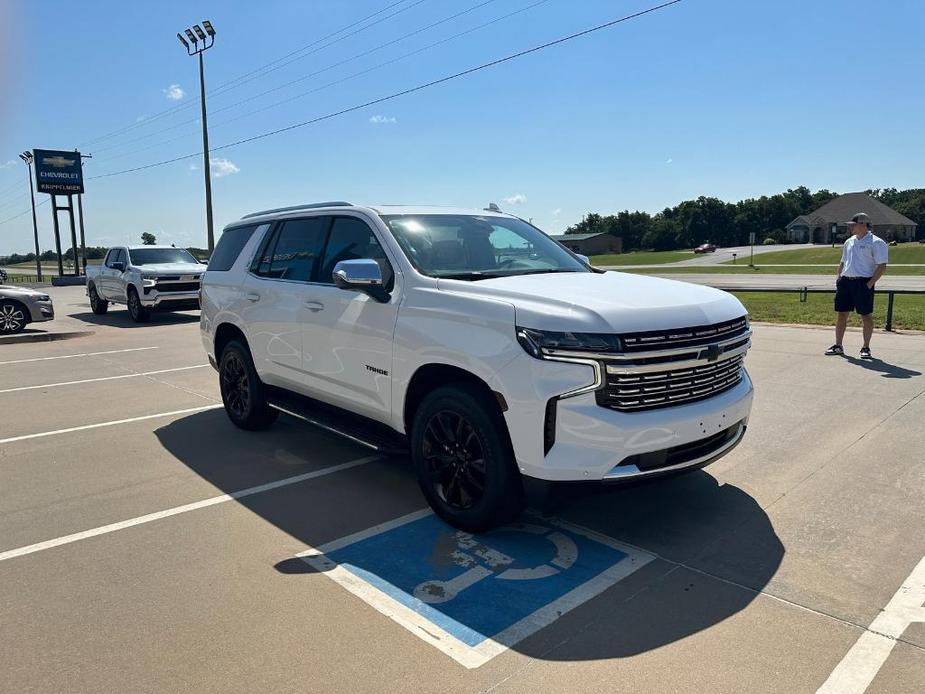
(2,275)
(706,248)
(20,306)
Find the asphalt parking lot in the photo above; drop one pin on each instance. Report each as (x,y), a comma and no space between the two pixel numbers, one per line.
(147,545)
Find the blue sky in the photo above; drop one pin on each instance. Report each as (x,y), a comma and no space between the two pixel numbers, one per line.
(727,98)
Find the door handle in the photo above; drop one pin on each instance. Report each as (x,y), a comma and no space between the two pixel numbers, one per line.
(314,306)
(253,297)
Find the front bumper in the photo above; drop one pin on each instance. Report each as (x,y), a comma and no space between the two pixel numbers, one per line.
(595,443)
(172,301)
(41,311)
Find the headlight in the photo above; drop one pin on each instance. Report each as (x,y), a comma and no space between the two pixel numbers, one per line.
(148,280)
(538,342)
(43,297)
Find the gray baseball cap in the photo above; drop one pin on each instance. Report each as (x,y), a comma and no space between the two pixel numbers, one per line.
(860,218)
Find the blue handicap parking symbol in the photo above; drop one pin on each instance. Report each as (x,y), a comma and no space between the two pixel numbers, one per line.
(476,588)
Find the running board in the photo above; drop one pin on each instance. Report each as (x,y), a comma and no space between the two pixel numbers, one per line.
(361,430)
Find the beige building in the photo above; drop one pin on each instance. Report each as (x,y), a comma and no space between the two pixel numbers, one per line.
(591,244)
(829,223)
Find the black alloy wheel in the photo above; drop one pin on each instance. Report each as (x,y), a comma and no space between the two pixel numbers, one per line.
(98,305)
(455,459)
(138,312)
(234,386)
(243,393)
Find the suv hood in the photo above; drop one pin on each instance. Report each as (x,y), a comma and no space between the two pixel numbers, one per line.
(601,303)
(172,269)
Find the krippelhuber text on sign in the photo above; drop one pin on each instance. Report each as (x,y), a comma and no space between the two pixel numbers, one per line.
(58,173)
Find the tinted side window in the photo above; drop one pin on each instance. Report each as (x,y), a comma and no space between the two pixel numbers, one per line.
(118,256)
(229,247)
(351,239)
(110,257)
(297,250)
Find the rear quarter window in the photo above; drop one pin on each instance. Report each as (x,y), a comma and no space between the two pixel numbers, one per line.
(230,245)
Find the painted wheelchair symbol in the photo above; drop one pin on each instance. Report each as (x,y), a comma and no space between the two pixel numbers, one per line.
(481,562)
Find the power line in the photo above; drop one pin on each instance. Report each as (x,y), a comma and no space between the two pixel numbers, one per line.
(329,84)
(246,77)
(404,92)
(17,216)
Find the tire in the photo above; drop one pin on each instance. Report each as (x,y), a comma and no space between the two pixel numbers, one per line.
(98,305)
(13,317)
(243,393)
(464,460)
(138,312)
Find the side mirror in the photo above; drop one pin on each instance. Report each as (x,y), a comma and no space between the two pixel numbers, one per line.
(118,265)
(360,276)
(583,258)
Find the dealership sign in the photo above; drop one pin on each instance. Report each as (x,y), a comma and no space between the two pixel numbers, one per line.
(58,173)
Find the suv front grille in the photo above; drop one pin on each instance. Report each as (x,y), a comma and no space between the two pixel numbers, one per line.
(177,286)
(648,390)
(683,337)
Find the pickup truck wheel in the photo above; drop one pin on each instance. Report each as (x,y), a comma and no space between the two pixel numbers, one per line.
(464,460)
(12,317)
(98,305)
(243,393)
(138,312)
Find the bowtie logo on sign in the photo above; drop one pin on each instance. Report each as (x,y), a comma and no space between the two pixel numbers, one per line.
(481,562)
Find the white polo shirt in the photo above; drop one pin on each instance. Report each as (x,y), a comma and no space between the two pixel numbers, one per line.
(862,256)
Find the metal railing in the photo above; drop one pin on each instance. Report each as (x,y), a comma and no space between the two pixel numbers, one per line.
(806,291)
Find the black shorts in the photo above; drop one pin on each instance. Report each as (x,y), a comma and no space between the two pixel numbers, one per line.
(852,294)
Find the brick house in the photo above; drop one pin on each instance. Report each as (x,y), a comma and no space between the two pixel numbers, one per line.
(591,244)
(829,223)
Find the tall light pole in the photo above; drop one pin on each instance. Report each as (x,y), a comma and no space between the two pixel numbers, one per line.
(27,158)
(207,38)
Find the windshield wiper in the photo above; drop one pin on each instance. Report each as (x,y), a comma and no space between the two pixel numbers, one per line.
(469,276)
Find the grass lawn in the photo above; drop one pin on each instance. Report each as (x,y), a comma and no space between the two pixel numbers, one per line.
(903,253)
(740,269)
(774,307)
(642,258)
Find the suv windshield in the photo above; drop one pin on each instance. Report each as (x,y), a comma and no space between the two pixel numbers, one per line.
(473,247)
(156,256)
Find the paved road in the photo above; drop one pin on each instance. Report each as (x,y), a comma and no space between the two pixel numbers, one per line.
(762,281)
(124,566)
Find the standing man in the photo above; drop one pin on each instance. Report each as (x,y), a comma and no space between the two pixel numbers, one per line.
(863,262)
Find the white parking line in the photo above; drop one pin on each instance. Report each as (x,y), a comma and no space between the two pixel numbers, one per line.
(69,430)
(186,508)
(102,378)
(74,356)
(861,664)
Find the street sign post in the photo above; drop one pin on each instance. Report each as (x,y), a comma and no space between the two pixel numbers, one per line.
(59,172)
(751,242)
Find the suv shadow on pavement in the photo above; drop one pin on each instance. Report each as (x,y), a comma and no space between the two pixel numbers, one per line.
(715,548)
(121,319)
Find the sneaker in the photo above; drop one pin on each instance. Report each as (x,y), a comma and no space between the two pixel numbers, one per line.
(865,353)
(835,349)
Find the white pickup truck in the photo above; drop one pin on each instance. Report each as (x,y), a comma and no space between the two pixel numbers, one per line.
(145,278)
(476,343)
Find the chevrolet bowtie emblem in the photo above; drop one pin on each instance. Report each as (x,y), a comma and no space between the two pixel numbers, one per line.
(711,353)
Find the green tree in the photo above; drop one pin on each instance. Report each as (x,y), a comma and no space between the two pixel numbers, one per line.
(148,239)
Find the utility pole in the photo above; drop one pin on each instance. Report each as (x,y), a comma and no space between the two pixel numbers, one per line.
(207,38)
(27,158)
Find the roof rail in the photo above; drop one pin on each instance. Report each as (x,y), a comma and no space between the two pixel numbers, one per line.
(293,208)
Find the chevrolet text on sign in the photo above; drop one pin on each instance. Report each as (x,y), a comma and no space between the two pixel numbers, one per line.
(58,173)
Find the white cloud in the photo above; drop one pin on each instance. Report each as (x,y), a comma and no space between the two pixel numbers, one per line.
(516,199)
(556,212)
(142,117)
(7,164)
(193,167)
(669,160)
(223,167)
(174,92)
(379,120)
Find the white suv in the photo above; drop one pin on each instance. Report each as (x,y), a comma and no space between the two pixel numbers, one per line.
(475,342)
